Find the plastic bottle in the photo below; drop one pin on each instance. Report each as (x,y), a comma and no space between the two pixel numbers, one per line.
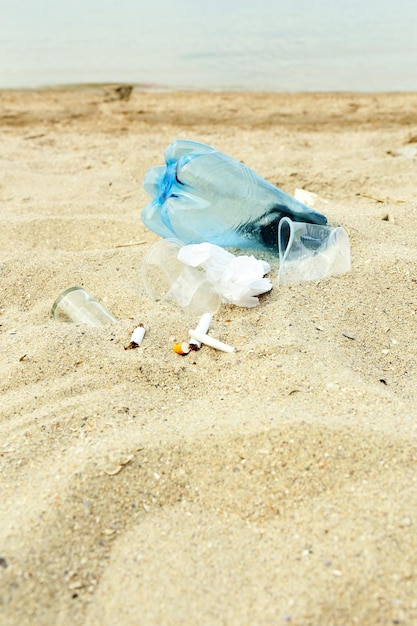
(204,195)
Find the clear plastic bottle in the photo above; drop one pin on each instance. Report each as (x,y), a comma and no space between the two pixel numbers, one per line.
(204,195)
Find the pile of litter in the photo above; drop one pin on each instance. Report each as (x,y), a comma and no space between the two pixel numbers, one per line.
(203,202)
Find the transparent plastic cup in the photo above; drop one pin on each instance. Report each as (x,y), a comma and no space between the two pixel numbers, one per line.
(166,278)
(311,251)
(77,306)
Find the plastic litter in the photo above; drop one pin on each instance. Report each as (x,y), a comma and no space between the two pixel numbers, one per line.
(202,195)
(238,279)
(306,197)
(201,276)
(311,252)
(166,278)
(78,306)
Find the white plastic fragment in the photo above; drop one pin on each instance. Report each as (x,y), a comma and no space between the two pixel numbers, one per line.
(408,151)
(306,197)
(210,341)
(138,335)
(202,327)
(238,279)
(242,281)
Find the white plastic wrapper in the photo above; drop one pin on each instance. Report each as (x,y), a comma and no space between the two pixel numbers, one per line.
(238,279)
(306,197)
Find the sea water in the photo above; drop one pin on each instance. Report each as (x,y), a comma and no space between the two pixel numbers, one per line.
(275,45)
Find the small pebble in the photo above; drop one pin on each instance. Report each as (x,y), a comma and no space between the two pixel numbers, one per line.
(388,217)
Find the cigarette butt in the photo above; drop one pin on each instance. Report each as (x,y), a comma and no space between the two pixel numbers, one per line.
(210,341)
(181,348)
(138,335)
(202,327)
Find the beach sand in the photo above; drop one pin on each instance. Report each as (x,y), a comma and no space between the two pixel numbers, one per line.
(273,485)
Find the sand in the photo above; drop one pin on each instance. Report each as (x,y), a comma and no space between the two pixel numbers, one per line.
(277,484)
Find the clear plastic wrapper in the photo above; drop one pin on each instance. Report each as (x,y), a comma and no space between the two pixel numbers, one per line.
(166,278)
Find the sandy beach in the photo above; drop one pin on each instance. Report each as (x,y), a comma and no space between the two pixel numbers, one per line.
(273,485)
